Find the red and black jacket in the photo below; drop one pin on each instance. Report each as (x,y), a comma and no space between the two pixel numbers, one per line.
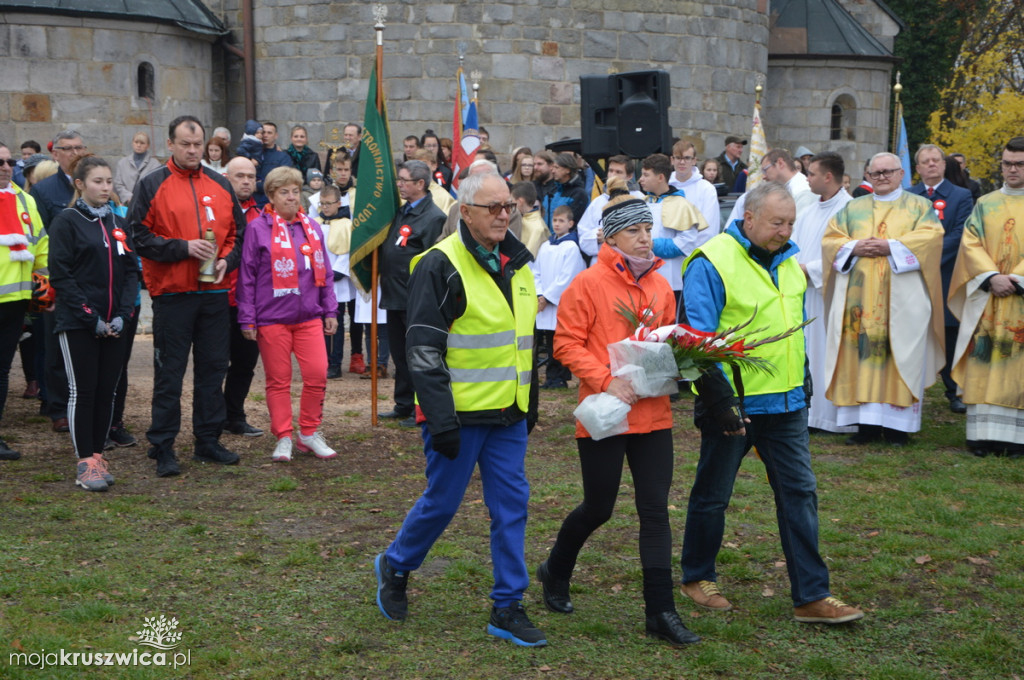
(173,206)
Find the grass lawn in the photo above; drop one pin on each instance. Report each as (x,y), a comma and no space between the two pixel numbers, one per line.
(268,568)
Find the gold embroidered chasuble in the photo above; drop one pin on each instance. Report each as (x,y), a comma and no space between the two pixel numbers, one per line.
(885,330)
(988,363)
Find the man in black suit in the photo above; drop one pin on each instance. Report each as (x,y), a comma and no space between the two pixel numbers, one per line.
(953,205)
(416,227)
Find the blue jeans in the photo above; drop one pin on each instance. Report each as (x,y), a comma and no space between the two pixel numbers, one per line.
(781,440)
(500,452)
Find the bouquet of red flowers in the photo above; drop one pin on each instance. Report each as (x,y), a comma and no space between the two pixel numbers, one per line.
(695,351)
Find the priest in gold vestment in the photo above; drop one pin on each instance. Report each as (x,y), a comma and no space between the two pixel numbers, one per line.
(987,295)
(884,310)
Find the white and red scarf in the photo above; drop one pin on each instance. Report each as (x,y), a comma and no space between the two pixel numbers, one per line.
(12,226)
(285,269)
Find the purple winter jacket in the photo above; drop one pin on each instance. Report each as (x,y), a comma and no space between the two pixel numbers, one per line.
(257,305)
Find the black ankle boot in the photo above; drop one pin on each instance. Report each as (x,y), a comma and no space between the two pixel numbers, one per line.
(556,591)
(668,626)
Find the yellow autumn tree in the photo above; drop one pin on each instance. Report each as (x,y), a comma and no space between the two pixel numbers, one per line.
(983,105)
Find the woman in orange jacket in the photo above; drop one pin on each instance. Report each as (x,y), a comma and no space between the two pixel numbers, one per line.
(588,320)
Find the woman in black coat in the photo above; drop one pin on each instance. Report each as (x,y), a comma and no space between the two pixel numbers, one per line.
(95,274)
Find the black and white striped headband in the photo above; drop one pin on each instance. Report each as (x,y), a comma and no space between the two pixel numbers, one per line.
(625,214)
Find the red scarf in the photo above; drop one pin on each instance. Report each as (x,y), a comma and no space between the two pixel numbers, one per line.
(285,269)
(13,219)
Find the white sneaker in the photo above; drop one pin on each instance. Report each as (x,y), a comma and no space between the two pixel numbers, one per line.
(283,450)
(315,443)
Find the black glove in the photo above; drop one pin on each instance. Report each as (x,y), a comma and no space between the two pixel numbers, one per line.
(730,419)
(101,328)
(447,443)
(116,325)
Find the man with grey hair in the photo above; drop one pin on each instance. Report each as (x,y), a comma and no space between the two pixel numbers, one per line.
(223,133)
(471,312)
(883,305)
(752,266)
(416,227)
(953,205)
(482,166)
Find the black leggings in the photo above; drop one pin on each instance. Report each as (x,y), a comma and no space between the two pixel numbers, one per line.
(121,393)
(650,459)
(94,367)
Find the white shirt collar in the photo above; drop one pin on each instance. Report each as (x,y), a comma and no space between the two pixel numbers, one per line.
(890,197)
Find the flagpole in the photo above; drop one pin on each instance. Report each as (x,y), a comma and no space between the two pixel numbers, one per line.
(380,11)
(896,114)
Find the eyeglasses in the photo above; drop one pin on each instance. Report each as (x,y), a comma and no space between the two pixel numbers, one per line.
(330,202)
(496,208)
(886,174)
(403,180)
(76,149)
(1016,165)
(10,162)
(685,158)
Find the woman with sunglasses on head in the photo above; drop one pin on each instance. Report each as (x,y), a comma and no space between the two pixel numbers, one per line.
(588,321)
(93,265)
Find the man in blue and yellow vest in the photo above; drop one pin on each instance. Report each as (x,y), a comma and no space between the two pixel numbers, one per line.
(23,250)
(749,270)
(471,313)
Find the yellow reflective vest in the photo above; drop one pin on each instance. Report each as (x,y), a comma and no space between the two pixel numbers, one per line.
(16,276)
(748,286)
(490,347)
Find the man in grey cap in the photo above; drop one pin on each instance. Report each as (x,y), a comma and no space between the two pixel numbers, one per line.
(729,164)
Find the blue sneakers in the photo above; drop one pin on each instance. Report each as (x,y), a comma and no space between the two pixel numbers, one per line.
(391,598)
(512,623)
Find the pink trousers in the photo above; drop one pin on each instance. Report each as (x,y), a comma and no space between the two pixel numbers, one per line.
(277,344)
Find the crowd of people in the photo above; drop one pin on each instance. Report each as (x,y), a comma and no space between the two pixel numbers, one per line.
(490,279)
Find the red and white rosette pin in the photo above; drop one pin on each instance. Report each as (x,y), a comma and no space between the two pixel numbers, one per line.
(306,250)
(404,233)
(122,241)
(940,206)
(208,207)
(26,218)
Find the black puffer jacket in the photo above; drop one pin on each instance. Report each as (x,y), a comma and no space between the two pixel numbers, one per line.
(92,278)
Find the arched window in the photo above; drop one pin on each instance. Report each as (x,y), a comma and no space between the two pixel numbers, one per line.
(146,81)
(844,118)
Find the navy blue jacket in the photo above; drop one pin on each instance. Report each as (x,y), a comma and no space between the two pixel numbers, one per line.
(272,158)
(959,204)
(52,195)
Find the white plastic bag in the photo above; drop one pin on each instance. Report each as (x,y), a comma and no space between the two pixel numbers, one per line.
(650,367)
(603,415)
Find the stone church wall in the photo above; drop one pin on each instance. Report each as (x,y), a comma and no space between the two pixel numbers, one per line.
(61,72)
(314,58)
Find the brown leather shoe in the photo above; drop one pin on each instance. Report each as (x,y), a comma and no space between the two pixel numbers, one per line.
(706,594)
(31,390)
(61,425)
(827,610)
